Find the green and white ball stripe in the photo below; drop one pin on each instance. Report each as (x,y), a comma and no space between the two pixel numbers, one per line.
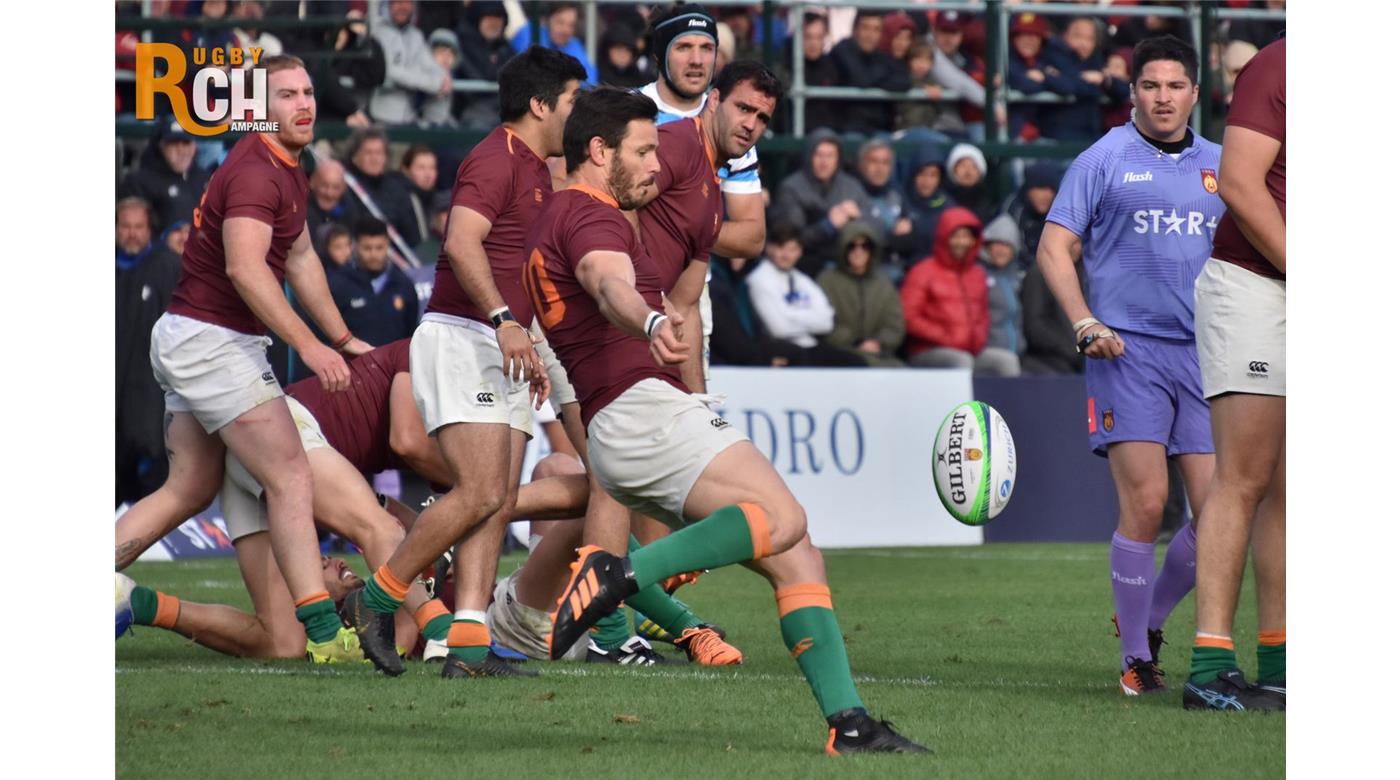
(974,463)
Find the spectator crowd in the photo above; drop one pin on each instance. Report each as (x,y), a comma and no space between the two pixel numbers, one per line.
(887,245)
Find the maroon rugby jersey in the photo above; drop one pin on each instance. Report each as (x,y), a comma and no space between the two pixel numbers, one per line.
(1259,105)
(504,181)
(356,421)
(600,359)
(257,180)
(683,222)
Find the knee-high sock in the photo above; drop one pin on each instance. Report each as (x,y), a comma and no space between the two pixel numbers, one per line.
(1272,654)
(1131,565)
(733,534)
(814,639)
(468,638)
(1176,579)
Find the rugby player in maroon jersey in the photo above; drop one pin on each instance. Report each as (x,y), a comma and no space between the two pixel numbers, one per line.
(475,369)
(208,351)
(654,446)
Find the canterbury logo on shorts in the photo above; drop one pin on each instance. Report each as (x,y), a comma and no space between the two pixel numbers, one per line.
(486,399)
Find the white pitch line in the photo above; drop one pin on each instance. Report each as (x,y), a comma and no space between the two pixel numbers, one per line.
(961,555)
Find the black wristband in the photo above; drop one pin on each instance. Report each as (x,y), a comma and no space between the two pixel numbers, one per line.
(501,318)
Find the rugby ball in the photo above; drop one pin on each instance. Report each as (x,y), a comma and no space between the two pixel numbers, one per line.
(974,463)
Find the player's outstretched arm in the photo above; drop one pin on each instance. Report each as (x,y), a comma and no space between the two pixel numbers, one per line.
(308,280)
(246,242)
(609,278)
(1059,247)
(1245,160)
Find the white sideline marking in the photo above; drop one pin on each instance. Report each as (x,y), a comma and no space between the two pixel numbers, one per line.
(961,555)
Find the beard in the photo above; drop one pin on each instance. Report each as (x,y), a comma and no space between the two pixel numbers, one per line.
(628,193)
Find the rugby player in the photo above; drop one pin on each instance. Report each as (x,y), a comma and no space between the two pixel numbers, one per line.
(366,429)
(1141,203)
(209,351)
(1240,316)
(473,357)
(652,445)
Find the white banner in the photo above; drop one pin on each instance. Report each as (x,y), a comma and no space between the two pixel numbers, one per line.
(854,445)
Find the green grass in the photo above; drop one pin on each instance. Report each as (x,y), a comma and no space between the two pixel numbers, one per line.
(1001,658)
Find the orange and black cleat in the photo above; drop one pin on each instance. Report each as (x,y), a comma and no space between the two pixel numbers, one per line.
(854,731)
(598,582)
(1142,678)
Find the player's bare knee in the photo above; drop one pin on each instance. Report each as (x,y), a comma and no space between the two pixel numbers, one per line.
(787,523)
(556,465)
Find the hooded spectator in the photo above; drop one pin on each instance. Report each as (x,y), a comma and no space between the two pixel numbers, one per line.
(791,305)
(889,211)
(1026,72)
(739,20)
(1075,67)
(1001,250)
(821,197)
(619,65)
(897,35)
(412,76)
(558,30)
(332,244)
(167,178)
(1119,67)
(1031,203)
(926,197)
(361,66)
(861,64)
(869,315)
(485,48)
(818,70)
(967,174)
(447,53)
(1049,336)
(369,163)
(945,301)
(146,274)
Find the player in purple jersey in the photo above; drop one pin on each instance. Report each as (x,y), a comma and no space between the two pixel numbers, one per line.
(1142,204)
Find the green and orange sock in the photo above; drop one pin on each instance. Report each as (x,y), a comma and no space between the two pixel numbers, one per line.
(814,639)
(1212,655)
(433,620)
(467,637)
(318,616)
(733,534)
(153,608)
(1272,653)
(384,592)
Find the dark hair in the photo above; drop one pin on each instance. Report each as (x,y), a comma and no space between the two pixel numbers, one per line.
(413,153)
(330,230)
(864,12)
(1165,47)
(536,73)
(603,112)
(919,48)
(556,7)
(359,137)
(752,71)
(782,232)
(813,18)
(369,226)
(279,62)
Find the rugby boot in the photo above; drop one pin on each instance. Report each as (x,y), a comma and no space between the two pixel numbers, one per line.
(492,666)
(705,645)
(124,586)
(376,632)
(854,731)
(343,648)
(1141,678)
(634,652)
(598,582)
(1230,692)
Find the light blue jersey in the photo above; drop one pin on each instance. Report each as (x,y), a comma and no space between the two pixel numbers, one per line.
(1147,222)
(739,176)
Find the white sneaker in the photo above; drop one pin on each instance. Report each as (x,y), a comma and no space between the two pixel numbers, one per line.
(435,650)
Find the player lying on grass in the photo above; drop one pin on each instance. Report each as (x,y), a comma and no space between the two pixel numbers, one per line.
(654,446)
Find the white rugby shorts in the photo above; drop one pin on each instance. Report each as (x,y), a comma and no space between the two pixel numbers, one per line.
(1241,331)
(457,376)
(212,372)
(240,497)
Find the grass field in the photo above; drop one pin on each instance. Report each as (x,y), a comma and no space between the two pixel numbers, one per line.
(1001,658)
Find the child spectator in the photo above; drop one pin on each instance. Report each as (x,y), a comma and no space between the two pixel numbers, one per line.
(897,35)
(618,66)
(869,315)
(1031,203)
(967,168)
(1001,246)
(1026,73)
(945,301)
(739,338)
(917,113)
(927,198)
(791,305)
(333,245)
(1119,67)
(1076,68)
(862,64)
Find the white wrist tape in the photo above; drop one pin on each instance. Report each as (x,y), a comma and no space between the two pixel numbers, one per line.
(653,321)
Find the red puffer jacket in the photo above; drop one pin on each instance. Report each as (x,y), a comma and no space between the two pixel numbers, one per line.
(945,298)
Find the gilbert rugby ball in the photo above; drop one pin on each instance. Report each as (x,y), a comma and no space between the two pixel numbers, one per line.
(974,463)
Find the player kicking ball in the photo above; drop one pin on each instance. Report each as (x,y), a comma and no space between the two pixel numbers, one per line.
(654,446)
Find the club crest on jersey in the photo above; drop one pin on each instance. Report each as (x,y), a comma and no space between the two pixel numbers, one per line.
(1108,421)
(1209,181)
(539,196)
